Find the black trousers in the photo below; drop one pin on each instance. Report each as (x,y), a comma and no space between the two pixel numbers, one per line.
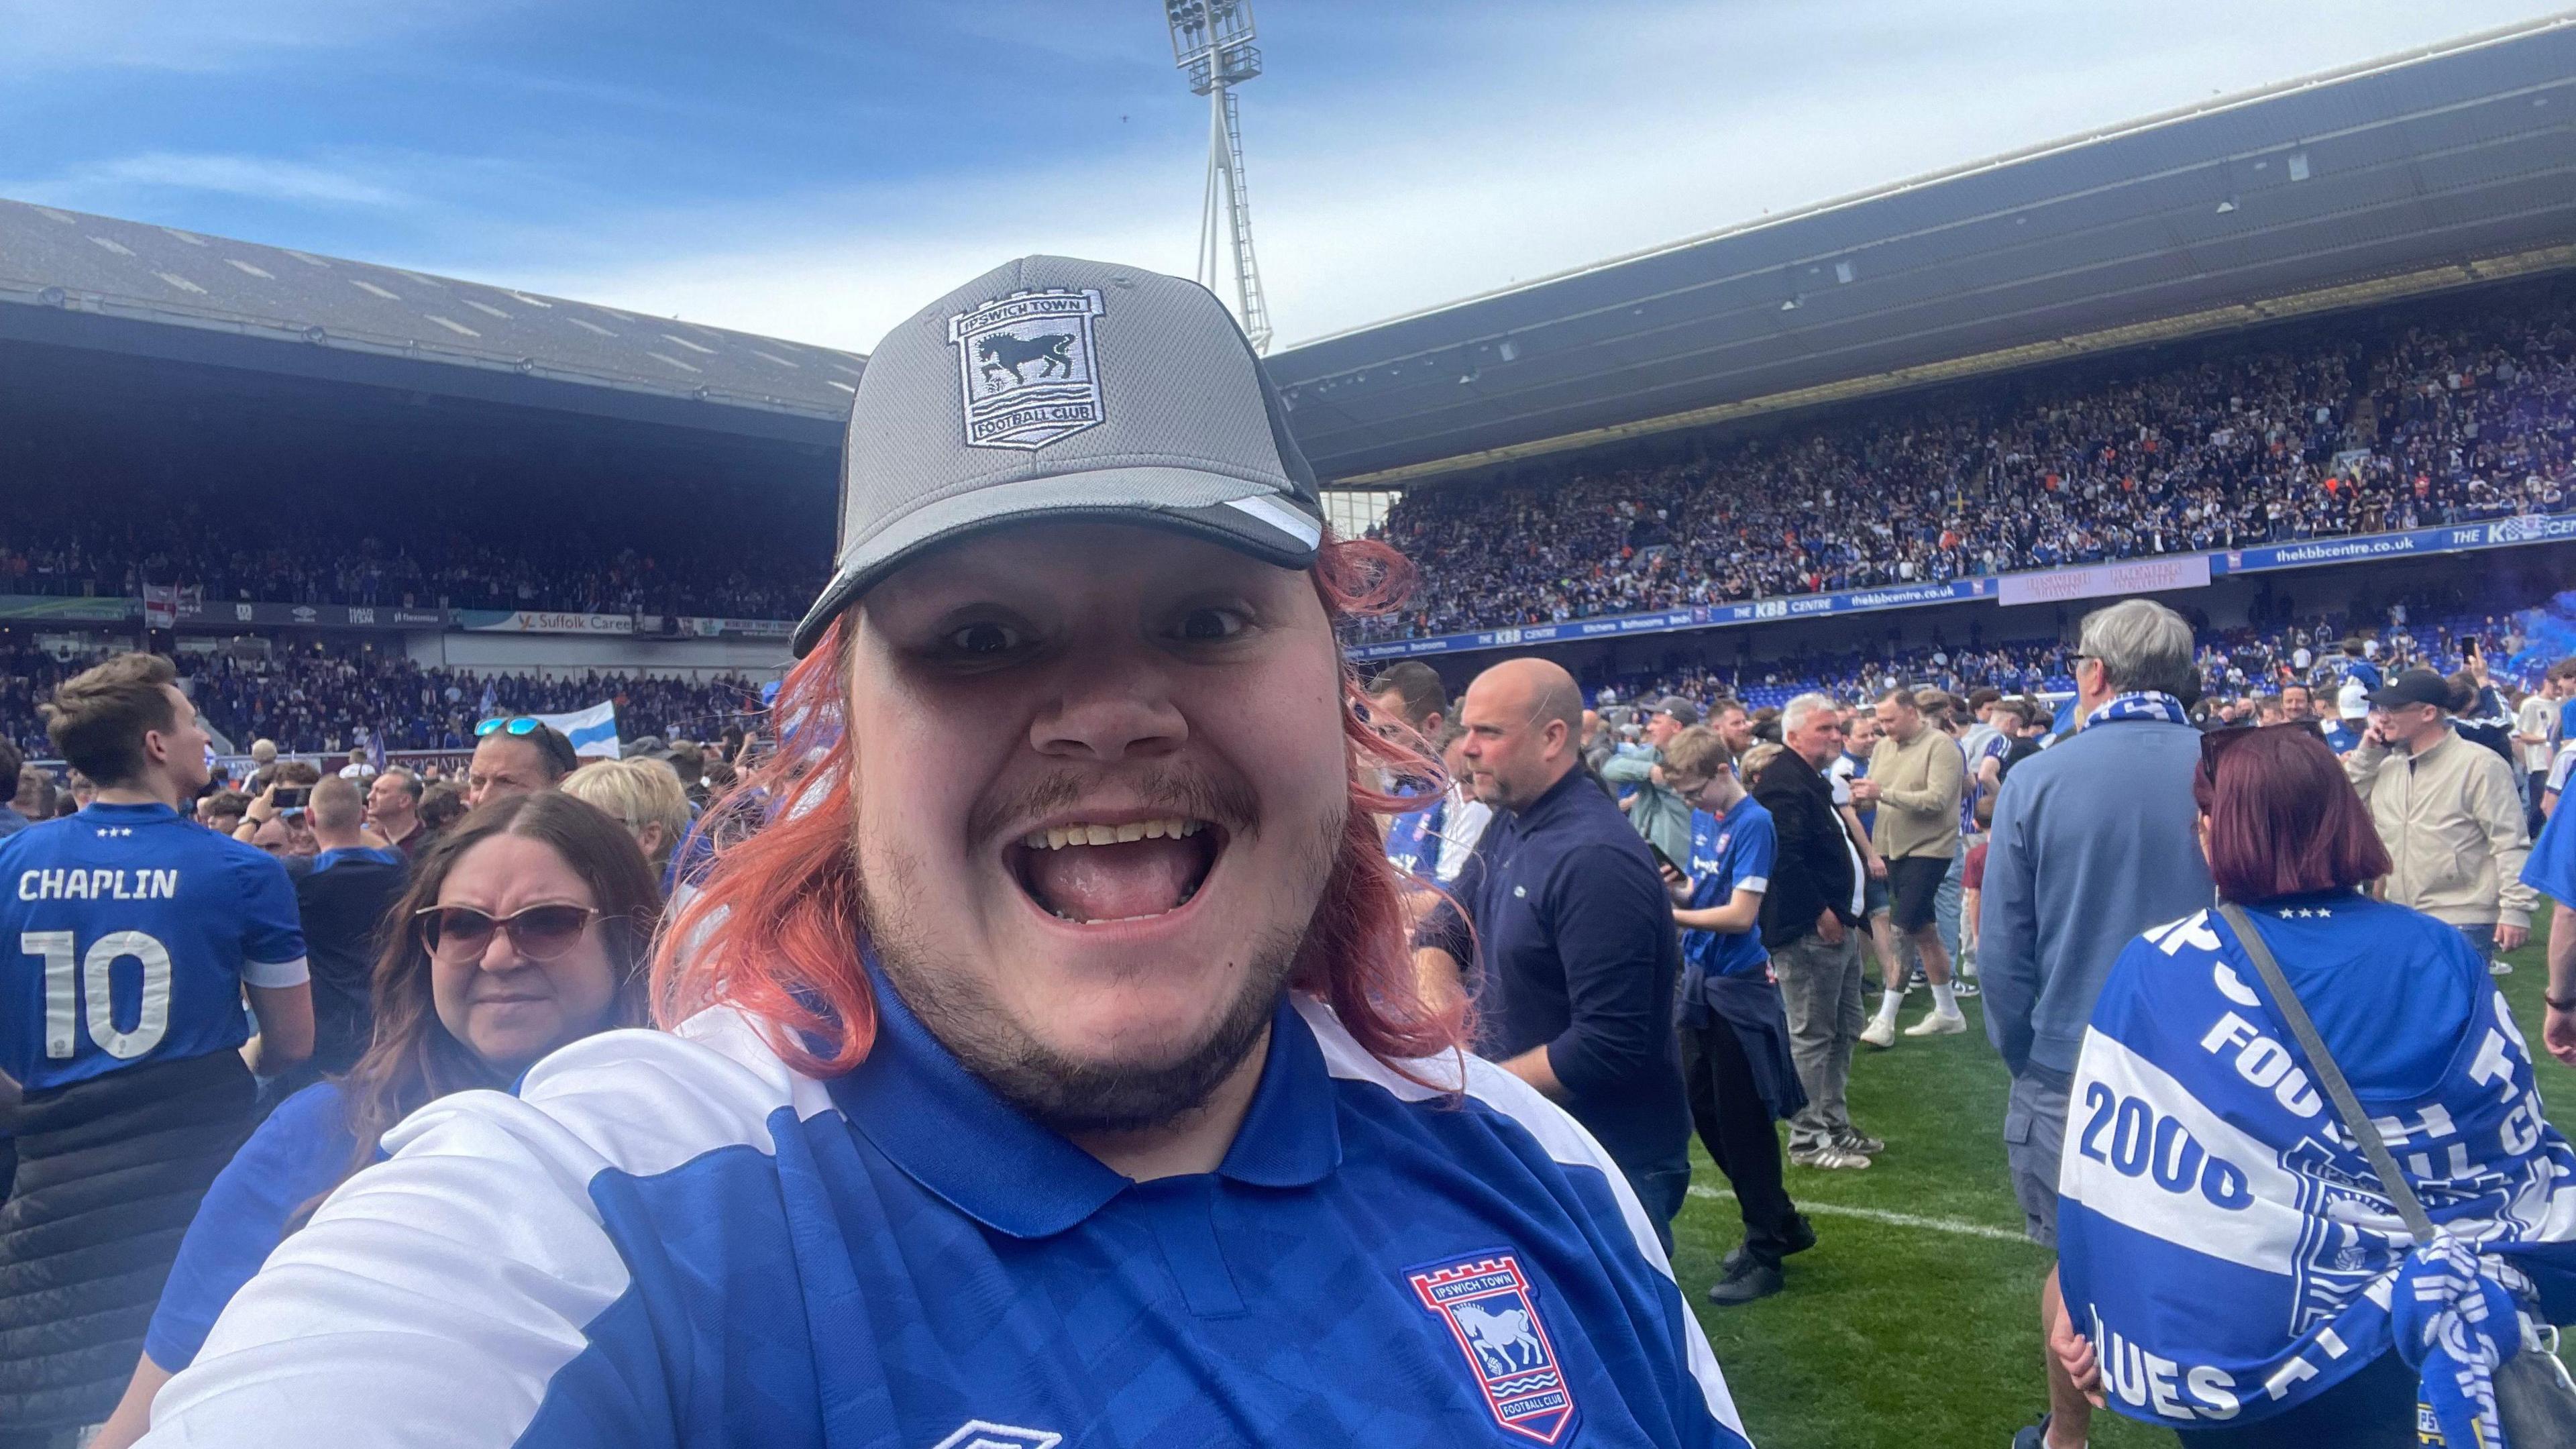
(1735,1126)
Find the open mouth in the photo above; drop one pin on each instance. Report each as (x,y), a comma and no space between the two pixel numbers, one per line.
(1104,873)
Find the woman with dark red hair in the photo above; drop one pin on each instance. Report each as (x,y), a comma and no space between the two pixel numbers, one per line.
(2235,1266)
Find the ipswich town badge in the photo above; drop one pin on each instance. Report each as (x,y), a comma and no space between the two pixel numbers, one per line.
(1492,1312)
(1026,364)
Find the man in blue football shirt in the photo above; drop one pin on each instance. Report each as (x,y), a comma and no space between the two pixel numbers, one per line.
(1736,1059)
(1408,704)
(129,938)
(1050,1068)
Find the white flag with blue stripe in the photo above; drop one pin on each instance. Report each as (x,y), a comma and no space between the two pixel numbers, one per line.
(593,731)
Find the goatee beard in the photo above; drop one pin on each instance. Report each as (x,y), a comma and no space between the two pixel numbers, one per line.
(1073,1097)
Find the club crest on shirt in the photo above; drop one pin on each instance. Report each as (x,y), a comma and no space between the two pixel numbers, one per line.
(1491,1310)
(1027,367)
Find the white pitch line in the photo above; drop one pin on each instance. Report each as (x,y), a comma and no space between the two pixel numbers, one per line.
(1880,1215)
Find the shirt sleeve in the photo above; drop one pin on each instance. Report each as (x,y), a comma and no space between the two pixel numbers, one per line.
(295,1156)
(440,1298)
(1756,849)
(272,926)
(1613,922)
(1628,769)
(2008,932)
(2551,868)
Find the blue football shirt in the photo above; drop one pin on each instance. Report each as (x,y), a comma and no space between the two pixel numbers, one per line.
(128,934)
(678,1239)
(2551,867)
(1413,839)
(1729,853)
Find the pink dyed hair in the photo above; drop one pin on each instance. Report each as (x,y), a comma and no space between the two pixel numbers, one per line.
(773,930)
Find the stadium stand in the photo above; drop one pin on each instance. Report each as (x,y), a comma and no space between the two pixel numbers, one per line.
(322,701)
(2430,413)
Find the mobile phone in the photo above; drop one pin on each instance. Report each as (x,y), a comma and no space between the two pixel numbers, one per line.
(1665,861)
(291,797)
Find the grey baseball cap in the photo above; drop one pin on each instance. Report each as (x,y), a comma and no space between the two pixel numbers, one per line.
(1051,388)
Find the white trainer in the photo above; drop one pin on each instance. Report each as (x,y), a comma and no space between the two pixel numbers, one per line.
(1935,1023)
(1880,1033)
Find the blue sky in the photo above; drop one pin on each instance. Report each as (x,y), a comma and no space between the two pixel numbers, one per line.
(818,170)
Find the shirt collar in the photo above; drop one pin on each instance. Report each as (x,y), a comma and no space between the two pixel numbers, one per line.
(153,810)
(1553,798)
(945,1129)
(1734,812)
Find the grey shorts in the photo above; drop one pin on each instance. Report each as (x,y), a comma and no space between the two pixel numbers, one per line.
(2034,1138)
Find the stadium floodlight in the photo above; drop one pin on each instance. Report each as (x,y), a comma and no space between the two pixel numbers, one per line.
(1212,44)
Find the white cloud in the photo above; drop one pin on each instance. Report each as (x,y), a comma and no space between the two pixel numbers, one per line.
(266,177)
(1545,137)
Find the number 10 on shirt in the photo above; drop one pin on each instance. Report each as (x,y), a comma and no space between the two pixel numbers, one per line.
(65,990)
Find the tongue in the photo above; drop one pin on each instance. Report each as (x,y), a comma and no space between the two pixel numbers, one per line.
(1112,882)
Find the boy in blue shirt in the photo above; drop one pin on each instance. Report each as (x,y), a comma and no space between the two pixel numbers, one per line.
(1735,1032)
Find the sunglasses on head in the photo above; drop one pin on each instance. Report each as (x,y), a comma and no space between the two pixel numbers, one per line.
(526,724)
(539,933)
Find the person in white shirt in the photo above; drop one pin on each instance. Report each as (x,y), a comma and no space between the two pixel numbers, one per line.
(358,769)
(2535,730)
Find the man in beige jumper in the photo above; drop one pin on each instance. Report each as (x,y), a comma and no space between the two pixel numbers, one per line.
(2447,811)
(1916,776)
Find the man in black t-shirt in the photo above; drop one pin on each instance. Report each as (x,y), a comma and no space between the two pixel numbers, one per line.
(344,895)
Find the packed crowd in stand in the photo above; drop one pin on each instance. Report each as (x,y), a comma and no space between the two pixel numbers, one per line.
(331,701)
(2443,412)
(2456,411)
(266,540)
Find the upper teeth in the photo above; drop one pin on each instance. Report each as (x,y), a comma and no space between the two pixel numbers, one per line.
(1057,837)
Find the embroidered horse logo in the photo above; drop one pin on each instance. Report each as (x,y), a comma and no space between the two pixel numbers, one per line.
(1006,356)
(1503,1340)
(1027,368)
(1491,1311)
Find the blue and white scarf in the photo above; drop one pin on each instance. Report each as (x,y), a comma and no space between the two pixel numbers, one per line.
(2146,704)
(2226,1246)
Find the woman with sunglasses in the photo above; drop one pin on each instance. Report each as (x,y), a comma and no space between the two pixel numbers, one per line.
(2233,1268)
(524,929)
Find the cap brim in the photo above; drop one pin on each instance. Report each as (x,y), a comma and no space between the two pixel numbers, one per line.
(1253,517)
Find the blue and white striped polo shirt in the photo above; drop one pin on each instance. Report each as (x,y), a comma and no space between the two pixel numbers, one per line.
(680,1240)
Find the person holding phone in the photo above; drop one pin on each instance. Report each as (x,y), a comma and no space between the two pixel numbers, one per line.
(1736,1062)
(2449,814)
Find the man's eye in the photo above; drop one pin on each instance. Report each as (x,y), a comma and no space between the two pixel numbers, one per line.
(983,638)
(1207,624)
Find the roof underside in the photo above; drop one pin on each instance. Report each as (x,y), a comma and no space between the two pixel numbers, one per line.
(94,281)
(2403,167)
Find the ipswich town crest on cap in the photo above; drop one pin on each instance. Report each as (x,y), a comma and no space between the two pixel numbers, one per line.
(1491,1310)
(1028,369)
